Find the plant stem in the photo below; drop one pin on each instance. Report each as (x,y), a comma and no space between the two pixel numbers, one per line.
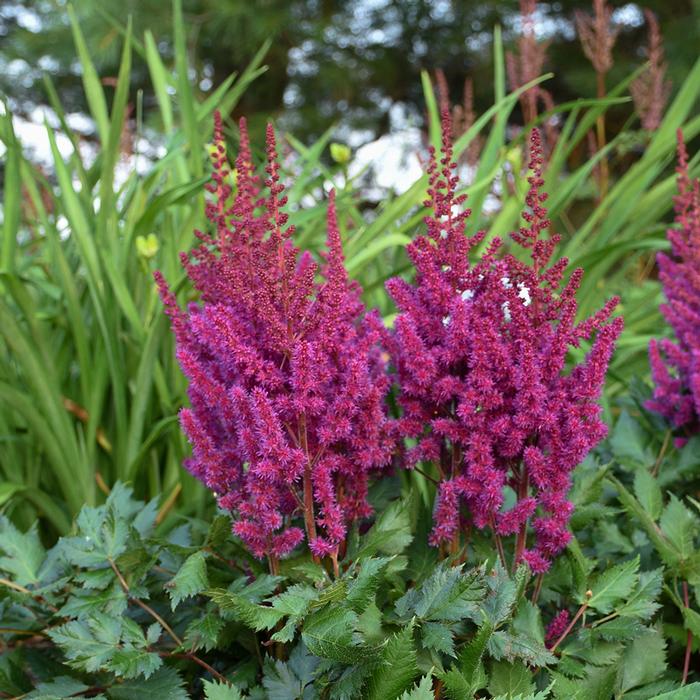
(662,452)
(523,488)
(577,616)
(689,639)
(148,609)
(538,588)
(499,544)
(600,128)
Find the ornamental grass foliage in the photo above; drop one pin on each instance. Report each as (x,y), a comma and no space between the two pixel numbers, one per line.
(286,374)
(676,366)
(484,382)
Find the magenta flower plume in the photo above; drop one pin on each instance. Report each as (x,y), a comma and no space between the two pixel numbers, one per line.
(481,357)
(675,367)
(286,376)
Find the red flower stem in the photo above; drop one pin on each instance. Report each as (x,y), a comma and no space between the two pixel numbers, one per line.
(309,517)
(499,544)
(689,640)
(537,589)
(523,488)
(577,616)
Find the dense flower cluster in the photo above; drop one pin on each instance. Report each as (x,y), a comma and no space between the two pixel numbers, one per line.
(481,358)
(287,381)
(677,392)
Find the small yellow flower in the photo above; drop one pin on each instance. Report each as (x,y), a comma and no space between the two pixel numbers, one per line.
(147,246)
(340,153)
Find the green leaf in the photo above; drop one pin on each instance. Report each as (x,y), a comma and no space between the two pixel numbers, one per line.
(397,667)
(190,580)
(644,660)
(130,662)
(642,603)
(688,692)
(216,690)
(648,493)
(329,633)
(471,656)
(23,553)
(679,524)
(437,637)
(62,687)
(203,632)
(423,690)
(295,603)
(293,680)
(257,617)
(510,680)
(613,585)
(166,682)
(390,534)
(362,588)
(504,645)
(448,594)
(628,441)
(88,644)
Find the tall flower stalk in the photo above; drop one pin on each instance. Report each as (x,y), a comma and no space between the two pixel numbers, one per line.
(598,36)
(676,366)
(651,90)
(286,376)
(488,397)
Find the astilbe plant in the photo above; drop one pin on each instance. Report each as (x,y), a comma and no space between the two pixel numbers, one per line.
(650,91)
(481,357)
(286,377)
(676,366)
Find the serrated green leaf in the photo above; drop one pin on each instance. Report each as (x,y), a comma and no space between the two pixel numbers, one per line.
(190,580)
(642,603)
(471,656)
(448,594)
(88,644)
(510,679)
(363,586)
(216,690)
(613,585)
(203,632)
(329,633)
(688,692)
(628,441)
(63,687)
(390,534)
(397,669)
(23,553)
(84,603)
(648,493)
(437,637)
(257,617)
(511,647)
(134,663)
(166,682)
(679,524)
(644,660)
(294,603)
(293,680)
(423,690)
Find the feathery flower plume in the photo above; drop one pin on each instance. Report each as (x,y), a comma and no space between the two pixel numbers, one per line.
(675,367)
(463,116)
(651,90)
(481,357)
(598,36)
(526,65)
(286,377)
